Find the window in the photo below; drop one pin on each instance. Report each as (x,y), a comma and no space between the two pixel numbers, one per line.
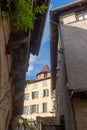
(45,92)
(26,88)
(26,96)
(85,15)
(34,85)
(44,83)
(44,107)
(45,74)
(54,104)
(26,110)
(34,94)
(82,16)
(34,108)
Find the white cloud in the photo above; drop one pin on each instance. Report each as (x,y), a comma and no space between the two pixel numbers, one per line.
(31,63)
(31,68)
(32,59)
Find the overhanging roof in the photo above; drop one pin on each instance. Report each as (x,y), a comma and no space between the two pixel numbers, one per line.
(70,6)
(36,34)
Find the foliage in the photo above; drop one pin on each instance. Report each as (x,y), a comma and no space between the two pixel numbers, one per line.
(32,127)
(20,122)
(23,14)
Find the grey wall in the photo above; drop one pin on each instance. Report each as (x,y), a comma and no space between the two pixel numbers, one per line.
(74,37)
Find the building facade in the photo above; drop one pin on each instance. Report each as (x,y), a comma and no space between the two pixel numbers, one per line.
(38,99)
(68,48)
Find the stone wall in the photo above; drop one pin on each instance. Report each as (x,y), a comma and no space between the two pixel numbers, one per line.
(64,107)
(5,63)
(74,40)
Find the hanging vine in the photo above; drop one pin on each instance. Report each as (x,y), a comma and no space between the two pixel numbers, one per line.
(22,13)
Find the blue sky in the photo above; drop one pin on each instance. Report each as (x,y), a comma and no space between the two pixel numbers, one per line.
(36,63)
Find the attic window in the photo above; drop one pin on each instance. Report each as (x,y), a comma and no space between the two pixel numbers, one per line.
(82,16)
(45,74)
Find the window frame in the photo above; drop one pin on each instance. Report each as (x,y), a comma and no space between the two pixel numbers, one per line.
(35,95)
(26,110)
(34,85)
(26,96)
(34,108)
(83,13)
(44,106)
(44,83)
(45,92)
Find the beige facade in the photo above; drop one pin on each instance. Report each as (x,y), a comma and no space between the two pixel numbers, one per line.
(38,98)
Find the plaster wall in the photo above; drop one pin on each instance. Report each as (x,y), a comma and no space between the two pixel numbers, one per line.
(41,76)
(40,100)
(68,18)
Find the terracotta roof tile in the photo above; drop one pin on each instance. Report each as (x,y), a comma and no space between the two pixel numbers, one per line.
(46,69)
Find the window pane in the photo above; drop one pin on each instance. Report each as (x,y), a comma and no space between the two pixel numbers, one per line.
(34,85)
(44,83)
(44,107)
(80,17)
(45,92)
(34,108)
(26,110)
(85,15)
(34,95)
(26,96)
(45,74)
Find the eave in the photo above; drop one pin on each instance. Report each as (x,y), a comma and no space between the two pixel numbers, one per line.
(36,34)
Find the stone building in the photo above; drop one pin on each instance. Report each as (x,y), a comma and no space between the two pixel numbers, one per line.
(38,96)
(69,63)
(15,49)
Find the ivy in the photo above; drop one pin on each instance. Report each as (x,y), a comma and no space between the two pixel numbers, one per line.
(23,15)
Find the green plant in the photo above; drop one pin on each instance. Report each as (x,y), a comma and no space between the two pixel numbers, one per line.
(23,15)
(21,122)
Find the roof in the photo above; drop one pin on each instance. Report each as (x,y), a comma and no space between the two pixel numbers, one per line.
(76,2)
(36,34)
(36,81)
(46,69)
(69,6)
(49,121)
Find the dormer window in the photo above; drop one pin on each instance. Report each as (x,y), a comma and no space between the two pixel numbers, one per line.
(45,74)
(82,16)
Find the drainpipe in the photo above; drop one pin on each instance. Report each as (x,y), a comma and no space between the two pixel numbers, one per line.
(63,63)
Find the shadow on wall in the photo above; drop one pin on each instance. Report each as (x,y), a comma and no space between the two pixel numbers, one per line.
(75,51)
(74,40)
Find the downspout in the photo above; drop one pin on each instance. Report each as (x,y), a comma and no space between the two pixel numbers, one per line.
(63,63)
